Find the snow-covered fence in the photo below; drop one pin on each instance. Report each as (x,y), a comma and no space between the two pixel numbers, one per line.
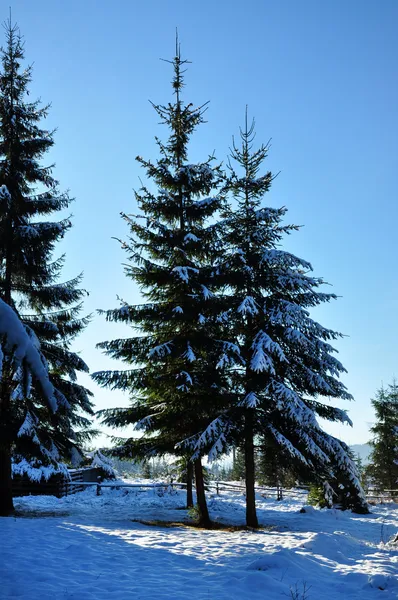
(381,496)
(266,491)
(78,477)
(215,486)
(56,485)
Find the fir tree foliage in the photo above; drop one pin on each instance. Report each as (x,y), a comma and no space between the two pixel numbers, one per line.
(173,379)
(20,349)
(383,467)
(29,277)
(288,358)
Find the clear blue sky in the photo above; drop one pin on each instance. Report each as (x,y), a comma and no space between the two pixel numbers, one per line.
(321,79)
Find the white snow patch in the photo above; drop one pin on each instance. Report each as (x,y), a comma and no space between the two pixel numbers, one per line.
(91,549)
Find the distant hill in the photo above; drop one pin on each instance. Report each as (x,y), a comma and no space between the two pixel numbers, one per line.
(363,450)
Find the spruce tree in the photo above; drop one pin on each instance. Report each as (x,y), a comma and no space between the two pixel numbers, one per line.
(288,359)
(174,383)
(272,468)
(383,467)
(29,283)
(238,465)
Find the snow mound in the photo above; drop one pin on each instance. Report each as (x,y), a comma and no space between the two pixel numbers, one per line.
(308,509)
(382,581)
(274,560)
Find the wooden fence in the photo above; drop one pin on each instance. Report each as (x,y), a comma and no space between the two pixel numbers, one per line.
(217,486)
(222,486)
(80,479)
(382,496)
(57,485)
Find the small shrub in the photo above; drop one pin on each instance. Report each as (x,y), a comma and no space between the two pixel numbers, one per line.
(316,496)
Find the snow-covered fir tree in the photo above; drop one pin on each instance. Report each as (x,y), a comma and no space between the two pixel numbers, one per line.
(288,359)
(29,283)
(383,467)
(174,383)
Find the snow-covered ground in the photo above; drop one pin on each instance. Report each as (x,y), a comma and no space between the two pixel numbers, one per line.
(87,547)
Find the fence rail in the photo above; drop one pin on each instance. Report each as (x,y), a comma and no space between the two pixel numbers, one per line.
(57,485)
(382,495)
(217,486)
(80,479)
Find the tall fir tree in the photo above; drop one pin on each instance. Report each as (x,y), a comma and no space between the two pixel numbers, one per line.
(287,356)
(30,433)
(383,467)
(174,383)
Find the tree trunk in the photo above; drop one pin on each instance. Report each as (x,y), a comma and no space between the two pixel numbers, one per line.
(6,503)
(251,515)
(204,518)
(189,484)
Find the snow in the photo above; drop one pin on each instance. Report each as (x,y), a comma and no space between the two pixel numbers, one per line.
(36,471)
(161,350)
(5,194)
(183,272)
(248,306)
(25,347)
(89,547)
(28,425)
(206,292)
(189,353)
(191,237)
(186,381)
(104,463)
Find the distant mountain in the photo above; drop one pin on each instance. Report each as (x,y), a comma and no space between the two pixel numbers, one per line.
(363,450)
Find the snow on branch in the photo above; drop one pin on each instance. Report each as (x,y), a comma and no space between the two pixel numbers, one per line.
(251,400)
(24,348)
(248,306)
(183,272)
(263,346)
(5,194)
(103,462)
(287,445)
(186,381)
(189,353)
(282,258)
(191,237)
(161,350)
(206,292)
(37,471)
(214,436)
(28,426)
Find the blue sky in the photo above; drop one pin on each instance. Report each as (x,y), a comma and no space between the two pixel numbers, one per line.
(321,80)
